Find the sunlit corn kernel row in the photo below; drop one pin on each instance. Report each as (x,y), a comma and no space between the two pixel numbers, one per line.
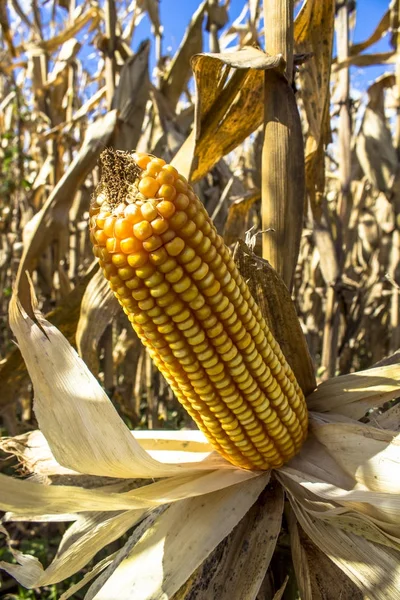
(184,296)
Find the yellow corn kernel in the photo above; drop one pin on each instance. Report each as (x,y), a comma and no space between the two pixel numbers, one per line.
(175,246)
(159,225)
(142,230)
(149,187)
(168,192)
(133,214)
(122,228)
(152,243)
(166,209)
(138,259)
(149,212)
(130,244)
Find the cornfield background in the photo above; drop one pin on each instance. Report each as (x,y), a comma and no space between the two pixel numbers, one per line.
(76,78)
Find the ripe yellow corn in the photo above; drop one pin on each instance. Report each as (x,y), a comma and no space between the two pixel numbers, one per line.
(180,288)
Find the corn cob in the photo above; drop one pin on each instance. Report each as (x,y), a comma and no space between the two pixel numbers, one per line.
(178,284)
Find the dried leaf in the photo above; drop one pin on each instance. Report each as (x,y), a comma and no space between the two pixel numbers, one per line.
(373,388)
(374,144)
(178,542)
(323,500)
(81,542)
(371,456)
(313,33)
(309,563)
(162,135)
(126,549)
(254,7)
(5,27)
(217,15)
(247,36)
(37,499)
(68,52)
(79,21)
(314,463)
(237,566)
(152,8)
(366,60)
(55,212)
(13,373)
(374,569)
(222,103)
(98,308)
(278,310)
(35,456)
(130,99)
(237,221)
(354,517)
(377,34)
(369,528)
(328,261)
(97,569)
(390,419)
(178,72)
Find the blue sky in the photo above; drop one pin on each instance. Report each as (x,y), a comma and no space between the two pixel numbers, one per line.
(176,14)
(368,15)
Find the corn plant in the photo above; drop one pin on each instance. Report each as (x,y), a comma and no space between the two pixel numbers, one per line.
(204,513)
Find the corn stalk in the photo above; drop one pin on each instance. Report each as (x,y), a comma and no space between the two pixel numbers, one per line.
(395,253)
(283,178)
(333,309)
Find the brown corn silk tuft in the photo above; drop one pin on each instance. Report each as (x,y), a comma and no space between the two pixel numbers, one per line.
(178,284)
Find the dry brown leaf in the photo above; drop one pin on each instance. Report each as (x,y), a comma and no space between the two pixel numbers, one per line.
(5,26)
(152,9)
(237,221)
(184,540)
(178,72)
(366,60)
(227,109)
(161,136)
(372,568)
(89,575)
(37,67)
(242,28)
(217,15)
(98,309)
(313,33)
(278,310)
(53,217)
(254,7)
(279,593)
(390,419)
(92,14)
(68,52)
(371,456)
(374,145)
(377,34)
(327,253)
(309,563)
(363,390)
(130,99)
(237,566)
(13,373)
(80,113)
